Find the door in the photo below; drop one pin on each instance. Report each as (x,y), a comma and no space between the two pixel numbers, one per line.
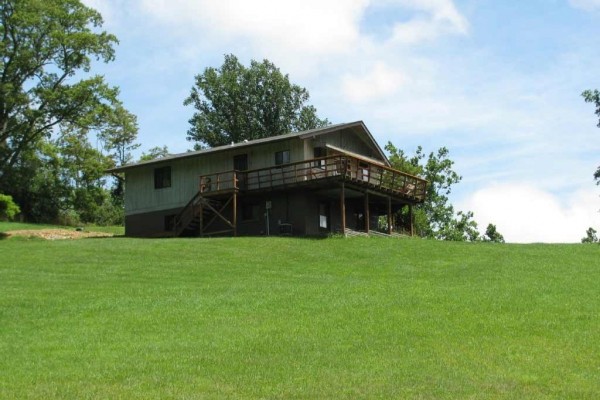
(324,217)
(240,163)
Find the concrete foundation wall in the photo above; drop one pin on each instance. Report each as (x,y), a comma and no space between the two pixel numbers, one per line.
(152,224)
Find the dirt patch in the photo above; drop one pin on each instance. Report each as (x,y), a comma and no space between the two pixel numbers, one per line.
(57,234)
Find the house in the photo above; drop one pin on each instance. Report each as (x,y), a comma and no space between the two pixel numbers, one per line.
(332,179)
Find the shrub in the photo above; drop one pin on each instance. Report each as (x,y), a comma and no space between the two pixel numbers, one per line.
(590,236)
(8,208)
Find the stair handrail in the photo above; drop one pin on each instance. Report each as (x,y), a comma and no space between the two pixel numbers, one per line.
(178,225)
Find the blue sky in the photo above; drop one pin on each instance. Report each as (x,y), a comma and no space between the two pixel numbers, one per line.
(497,82)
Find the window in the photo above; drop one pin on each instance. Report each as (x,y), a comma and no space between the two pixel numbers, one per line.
(162,177)
(282,157)
(240,162)
(319,152)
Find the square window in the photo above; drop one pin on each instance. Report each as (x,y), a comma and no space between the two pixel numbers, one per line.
(162,177)
(282,157)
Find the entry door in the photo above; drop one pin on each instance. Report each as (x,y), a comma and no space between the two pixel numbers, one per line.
(324,217)
(240,163)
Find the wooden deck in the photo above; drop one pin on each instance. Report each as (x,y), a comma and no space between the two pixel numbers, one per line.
(344,168)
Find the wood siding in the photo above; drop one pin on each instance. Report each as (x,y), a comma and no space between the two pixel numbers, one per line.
(142,197)
(347,140)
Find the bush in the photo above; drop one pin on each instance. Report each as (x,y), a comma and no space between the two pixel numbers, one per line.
(109,213)
(8,208)
(590,236)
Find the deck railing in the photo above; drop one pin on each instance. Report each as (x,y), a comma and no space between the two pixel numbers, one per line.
(345,167)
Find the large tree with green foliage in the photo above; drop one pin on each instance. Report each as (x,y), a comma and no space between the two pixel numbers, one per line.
(436,217)
(46,93)
(235,103)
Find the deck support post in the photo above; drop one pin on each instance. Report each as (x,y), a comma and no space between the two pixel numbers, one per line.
(234,205)
(201,225)
(411,220)
(367,214)
(343,207)
(389,215)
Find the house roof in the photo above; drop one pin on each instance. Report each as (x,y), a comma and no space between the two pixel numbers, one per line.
(301,135)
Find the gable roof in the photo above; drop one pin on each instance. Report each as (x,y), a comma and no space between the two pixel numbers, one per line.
(302,135)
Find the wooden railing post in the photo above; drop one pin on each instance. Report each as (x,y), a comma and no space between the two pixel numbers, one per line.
(201,224)
(234,213)
(367,213)
(343,207)
(410,216)
(389,214)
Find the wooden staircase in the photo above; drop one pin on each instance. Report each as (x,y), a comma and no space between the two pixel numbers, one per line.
(196,218)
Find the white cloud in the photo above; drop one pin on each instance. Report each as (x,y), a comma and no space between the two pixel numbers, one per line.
(382,81)
(442,18)
(524,213)
(302,27)
(587,5)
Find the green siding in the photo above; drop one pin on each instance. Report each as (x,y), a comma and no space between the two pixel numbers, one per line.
(142,197)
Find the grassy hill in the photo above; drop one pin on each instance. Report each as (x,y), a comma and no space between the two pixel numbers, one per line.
(297,318)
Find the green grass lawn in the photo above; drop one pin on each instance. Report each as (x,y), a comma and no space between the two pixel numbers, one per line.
(280,318)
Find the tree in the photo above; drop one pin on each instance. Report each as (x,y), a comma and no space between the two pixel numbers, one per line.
(82,171)
(36,183)
(492,235)
(590,236)
(435,217)
(593,96)
(459,228)
(154,153)
(119,135)
(46,94)
(118,139)
(234,103)
(47,48)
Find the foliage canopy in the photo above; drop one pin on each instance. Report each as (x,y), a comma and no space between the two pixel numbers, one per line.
(593,96)
(436,217)
(50,104)
(235,103)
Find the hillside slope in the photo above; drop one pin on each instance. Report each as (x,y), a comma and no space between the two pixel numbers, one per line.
(297,318)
